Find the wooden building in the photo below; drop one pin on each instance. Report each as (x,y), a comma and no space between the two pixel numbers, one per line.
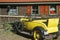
(11,10)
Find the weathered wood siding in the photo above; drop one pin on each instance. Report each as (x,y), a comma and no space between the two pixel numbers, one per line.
(22,10)
(4,11)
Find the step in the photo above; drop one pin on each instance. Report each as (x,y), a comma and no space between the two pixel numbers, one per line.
(23,32)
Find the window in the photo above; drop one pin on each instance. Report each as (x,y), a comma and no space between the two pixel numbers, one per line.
(12,11)
(53,9)
(35,10)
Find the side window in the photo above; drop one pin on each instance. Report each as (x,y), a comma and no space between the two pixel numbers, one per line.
(12,11)
(53,9)
(35,10)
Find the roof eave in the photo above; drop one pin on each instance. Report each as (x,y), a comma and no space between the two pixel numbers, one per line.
(21,3)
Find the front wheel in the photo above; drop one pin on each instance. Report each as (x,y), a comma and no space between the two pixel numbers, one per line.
(37,34)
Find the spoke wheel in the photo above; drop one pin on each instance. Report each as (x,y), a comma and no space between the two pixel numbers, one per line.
(37,34)
(17,27)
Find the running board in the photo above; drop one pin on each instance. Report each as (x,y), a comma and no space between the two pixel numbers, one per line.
(23,32)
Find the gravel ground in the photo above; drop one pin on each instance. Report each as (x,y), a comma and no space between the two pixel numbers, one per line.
(8,35)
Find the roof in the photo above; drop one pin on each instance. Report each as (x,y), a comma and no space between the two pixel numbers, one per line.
(29,0)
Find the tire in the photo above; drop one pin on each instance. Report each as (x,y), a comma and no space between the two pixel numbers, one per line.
(37,34)
(17,27)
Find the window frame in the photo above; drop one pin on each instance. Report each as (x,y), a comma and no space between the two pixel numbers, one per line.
(32,11)
(56,10)
(12,11)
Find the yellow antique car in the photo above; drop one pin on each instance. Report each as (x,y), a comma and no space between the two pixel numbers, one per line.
(39,28)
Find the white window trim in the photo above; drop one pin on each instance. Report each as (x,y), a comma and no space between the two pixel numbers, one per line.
(56,10)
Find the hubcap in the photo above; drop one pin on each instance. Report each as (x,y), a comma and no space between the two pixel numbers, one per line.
(36,35)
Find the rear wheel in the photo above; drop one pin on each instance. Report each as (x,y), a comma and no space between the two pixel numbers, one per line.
(37,34)
(17,27)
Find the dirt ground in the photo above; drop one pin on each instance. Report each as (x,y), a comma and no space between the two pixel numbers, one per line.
(11,36)
(8,35)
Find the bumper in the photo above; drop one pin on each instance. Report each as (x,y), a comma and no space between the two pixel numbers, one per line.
(52,35)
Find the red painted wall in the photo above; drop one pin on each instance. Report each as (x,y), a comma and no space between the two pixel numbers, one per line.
(42,10)
(28,10)
(46,9)
(59,9)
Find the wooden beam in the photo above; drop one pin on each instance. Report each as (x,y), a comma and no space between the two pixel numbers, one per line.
(10,16)
(2,3)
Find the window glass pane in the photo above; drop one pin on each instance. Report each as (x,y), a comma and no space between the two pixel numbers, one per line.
(53,9)
(12,11)
(35,9)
